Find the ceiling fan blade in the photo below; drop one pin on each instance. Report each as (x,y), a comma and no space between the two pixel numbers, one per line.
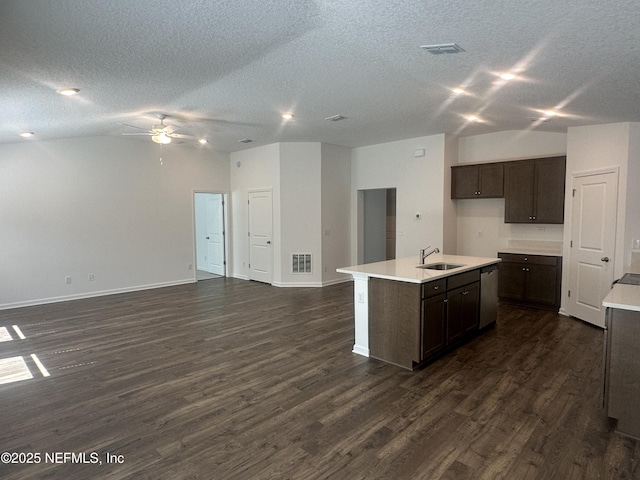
(143,134)
(133,126)
(180,135)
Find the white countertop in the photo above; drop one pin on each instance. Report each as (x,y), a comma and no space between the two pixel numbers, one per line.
(625,297)
(404,269)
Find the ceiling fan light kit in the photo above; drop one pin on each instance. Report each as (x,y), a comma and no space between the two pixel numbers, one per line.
(161,133)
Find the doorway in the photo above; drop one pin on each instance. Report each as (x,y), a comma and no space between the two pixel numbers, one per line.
(593,240)
(260,236)
(377,225)
(210,237)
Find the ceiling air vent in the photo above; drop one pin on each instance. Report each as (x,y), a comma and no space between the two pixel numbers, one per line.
(335,118)
(245,140)
(443,48)
(300,263)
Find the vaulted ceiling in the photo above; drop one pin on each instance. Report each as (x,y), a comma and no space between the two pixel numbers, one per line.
(227,69)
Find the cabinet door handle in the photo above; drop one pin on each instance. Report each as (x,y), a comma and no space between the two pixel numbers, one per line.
(524,269)
(436,287)
(465,293)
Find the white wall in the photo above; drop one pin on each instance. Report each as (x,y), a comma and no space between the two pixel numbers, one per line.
(300,211)
(632,219)
(419,187)
(101,206)
(252,169)
(200,215)
(450,240)
(336,214)
(481,228)
(510,145)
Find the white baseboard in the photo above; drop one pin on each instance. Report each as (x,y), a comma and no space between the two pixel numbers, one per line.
(101,293)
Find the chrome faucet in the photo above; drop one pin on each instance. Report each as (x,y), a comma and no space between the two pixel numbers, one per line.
(425,252)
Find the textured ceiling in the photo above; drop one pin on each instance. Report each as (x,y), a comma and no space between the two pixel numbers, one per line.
(227,69)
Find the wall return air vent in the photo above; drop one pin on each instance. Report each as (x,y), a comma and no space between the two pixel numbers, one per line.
(443,48)
(301,263)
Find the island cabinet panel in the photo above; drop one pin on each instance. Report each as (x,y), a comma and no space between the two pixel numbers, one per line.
(463,306)
(434,317)
(534,190)
(477,181)
(394,321)
(530,279)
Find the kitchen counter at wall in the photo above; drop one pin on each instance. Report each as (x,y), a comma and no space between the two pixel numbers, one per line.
(624,297)
(622,358)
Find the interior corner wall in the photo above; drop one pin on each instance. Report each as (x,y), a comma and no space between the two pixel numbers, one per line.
(336,199)
(418,181)
(632,219)
(596,147)
(252,169)
(102,206)
(300,212)
(481,230)
(450,233)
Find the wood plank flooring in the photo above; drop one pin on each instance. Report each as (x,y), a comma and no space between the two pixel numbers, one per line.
(230,379)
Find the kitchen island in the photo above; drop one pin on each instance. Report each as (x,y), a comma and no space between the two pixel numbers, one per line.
(407,314)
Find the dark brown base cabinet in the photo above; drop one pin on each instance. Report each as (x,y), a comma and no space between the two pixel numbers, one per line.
(530,280)
(410,323)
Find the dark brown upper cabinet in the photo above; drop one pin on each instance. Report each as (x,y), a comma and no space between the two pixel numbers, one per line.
(477,181)
(534,190)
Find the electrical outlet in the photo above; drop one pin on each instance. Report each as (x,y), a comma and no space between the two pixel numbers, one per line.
(480,234)
(360,297)
(636,244)
(91,277)
(67,279)
(325,269)
(190,266)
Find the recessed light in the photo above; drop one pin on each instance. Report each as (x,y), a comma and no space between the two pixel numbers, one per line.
(69,92)
(443,48)
(26,134)
(202,141)
(472,118)
(287,116)
(458,91)
(549,113)
(539,119)
(507,76)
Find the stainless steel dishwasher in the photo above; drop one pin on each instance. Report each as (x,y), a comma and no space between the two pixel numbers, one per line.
(488,295)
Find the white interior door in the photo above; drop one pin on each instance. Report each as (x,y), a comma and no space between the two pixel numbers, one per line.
(215,234)
(593,238)
(260,236)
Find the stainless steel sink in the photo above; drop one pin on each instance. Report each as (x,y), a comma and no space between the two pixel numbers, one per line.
(440,266)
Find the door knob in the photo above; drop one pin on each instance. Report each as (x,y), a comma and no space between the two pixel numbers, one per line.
(268,242)
(605,259)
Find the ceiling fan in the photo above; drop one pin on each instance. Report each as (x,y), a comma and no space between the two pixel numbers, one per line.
(161,133)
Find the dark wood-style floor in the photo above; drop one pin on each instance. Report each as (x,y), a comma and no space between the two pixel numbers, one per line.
(229,379)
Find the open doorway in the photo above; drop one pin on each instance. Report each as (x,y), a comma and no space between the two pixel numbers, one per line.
(376,225)
(210,237)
